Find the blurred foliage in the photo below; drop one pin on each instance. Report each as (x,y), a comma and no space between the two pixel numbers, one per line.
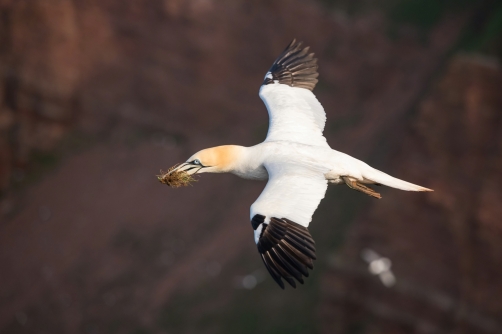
(421,13)
(424,13)
(483,34)
(43,162)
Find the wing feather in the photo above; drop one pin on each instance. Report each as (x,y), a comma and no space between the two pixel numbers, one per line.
(292,192)
(292,62)
(280,217)
(295,113)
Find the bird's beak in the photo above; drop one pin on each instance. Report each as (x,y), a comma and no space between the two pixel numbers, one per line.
(186,167)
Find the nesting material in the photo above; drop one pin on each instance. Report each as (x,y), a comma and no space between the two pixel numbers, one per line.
(175,179)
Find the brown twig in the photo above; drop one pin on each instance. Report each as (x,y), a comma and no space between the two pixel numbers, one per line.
(174,178)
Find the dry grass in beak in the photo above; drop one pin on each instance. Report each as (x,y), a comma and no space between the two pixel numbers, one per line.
(175,179)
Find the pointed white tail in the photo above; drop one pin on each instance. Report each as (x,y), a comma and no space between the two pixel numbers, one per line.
(372,174)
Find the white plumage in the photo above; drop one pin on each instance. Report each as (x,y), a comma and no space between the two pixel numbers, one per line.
(298,163)
(295,115)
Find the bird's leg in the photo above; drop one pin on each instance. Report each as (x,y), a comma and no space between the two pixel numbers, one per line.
(356,185)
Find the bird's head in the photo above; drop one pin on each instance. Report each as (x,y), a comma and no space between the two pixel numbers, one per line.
(220,159)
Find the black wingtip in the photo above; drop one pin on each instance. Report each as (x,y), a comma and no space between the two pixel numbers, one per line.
(287,250)
(294,67)
(273,273)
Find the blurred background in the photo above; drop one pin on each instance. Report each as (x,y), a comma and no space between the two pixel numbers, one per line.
(97,96)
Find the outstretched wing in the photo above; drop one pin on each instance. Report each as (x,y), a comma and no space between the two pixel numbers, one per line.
(294,67)
(280,217)
(295,113)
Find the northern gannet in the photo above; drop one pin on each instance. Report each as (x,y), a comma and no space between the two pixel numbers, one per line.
(297,162)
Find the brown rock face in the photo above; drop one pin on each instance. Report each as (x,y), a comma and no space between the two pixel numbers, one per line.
(187,65)
(40,71)
(445,248)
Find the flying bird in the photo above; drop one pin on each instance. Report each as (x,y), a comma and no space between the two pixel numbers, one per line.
(297,162)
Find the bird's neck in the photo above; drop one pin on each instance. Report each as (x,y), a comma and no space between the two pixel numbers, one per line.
(249,163)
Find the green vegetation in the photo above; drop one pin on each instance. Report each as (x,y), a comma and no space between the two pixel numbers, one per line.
(484,34)
(421,13)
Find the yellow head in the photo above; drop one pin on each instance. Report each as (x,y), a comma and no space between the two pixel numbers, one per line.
(219,159)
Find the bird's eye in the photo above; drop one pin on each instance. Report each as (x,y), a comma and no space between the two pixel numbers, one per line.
(196,162)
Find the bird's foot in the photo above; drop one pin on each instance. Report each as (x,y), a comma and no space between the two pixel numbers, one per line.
(356,185)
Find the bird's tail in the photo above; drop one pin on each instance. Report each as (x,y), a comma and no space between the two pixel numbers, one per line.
(372,175)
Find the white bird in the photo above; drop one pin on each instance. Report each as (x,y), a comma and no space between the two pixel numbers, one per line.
(297,162)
